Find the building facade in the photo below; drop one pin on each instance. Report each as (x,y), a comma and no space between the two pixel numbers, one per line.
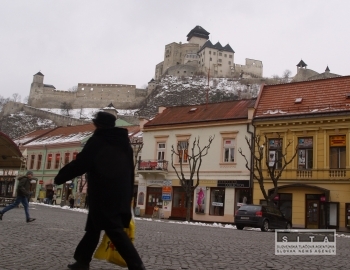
(314,116)
(223,179)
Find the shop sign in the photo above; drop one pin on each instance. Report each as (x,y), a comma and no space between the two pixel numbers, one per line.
(234,183)
(166,189)
(220,204)
(338,140)
(41,182)
(323,199)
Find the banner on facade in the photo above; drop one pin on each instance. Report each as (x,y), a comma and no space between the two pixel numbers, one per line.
(200,200)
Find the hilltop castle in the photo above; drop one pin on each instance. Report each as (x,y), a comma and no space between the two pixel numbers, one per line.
(200,56)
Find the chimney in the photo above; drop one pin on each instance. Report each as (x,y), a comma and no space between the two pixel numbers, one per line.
(142,122)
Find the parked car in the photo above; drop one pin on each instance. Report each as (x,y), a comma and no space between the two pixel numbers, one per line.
(261,216)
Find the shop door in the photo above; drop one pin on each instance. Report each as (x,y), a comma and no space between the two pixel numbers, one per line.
(179,207)
(154,198)
(312,214)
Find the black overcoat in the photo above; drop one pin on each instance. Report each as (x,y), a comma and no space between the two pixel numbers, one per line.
(107,158)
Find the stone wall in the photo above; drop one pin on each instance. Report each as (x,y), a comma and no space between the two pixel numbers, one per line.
(60,120)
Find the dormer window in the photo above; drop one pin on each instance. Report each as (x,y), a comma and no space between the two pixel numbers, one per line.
(298,100)
(193,109)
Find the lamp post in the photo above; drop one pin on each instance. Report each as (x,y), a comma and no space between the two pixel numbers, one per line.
(65,191)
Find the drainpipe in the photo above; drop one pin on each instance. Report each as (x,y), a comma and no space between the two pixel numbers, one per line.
(252,139)
(42,176)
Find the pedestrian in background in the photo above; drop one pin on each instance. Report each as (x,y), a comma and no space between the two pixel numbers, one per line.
(107,158)
(23,193)
(54,197)
(71,200)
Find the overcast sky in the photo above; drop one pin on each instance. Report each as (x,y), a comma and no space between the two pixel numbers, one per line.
(111,41)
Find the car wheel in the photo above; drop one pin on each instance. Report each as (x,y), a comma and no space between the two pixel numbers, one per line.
(288,226)
(239,227)
(265,226)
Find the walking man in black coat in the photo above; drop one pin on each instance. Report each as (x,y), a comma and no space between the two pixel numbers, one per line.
(107,158)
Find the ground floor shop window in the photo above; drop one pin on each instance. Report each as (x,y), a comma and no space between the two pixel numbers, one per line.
(217,201)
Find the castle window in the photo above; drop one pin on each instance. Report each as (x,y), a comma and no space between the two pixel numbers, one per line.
(185,71)
(209,52)
(225,55)
(220,54)
(210,59)
(219,60)
(214,53)
(230,56)
(229,62)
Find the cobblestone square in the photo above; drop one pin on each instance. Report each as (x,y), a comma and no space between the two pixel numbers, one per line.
(49,243)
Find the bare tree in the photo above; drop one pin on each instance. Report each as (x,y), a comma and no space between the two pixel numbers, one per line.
(286,75)
(73,88)
(25,100)
(16,97)
(3,101)
(66,108)
(275,164)
(194,161)
(137,145)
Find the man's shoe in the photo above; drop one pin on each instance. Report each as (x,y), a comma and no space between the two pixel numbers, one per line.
(1,214)
(79,266)
(30,219)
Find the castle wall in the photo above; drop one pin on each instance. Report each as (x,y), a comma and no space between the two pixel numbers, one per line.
(87,95)
(182,70)
(60,120)
(253,67)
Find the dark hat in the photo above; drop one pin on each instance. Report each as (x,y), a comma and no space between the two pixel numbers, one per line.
(29,172)
(104,120)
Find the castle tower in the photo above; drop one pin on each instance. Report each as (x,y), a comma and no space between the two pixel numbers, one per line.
(198,35)
(37,86)
(301,64)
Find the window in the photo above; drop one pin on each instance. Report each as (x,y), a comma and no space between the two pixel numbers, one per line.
(49,160)
(210,59)
(214,53)
(305,153)
(275,153)
(230,56)
(57,161)
(225,55)
(66,158)
(219,60)
(337,152)
(229,150)
(75,155)
(31,165)
(182,147)
(217,201)
(220,54)
(229,62)
(161,151)
(209,52)
(38,163)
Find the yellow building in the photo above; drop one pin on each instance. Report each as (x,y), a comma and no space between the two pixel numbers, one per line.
(314,117)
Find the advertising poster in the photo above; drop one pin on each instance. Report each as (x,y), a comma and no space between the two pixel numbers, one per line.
(272,158)
(200,200)
(301,160)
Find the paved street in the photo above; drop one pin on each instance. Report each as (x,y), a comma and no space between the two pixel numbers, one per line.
(49,242)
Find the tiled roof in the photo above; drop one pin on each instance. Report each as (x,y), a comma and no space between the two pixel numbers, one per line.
(212,112)
(64,135)
(198,31)
(306,97)
(61,135)
(217,46)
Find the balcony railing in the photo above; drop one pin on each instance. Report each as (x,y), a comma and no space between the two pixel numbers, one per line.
(151,165)
(313,174)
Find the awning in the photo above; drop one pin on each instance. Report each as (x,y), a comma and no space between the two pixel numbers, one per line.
(10,155)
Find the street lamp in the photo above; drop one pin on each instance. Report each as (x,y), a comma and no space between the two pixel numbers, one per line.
(65,191)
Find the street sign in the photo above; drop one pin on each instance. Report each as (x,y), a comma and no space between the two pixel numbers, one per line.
(166,197)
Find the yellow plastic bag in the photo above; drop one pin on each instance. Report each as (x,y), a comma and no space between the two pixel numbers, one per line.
(106,250)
